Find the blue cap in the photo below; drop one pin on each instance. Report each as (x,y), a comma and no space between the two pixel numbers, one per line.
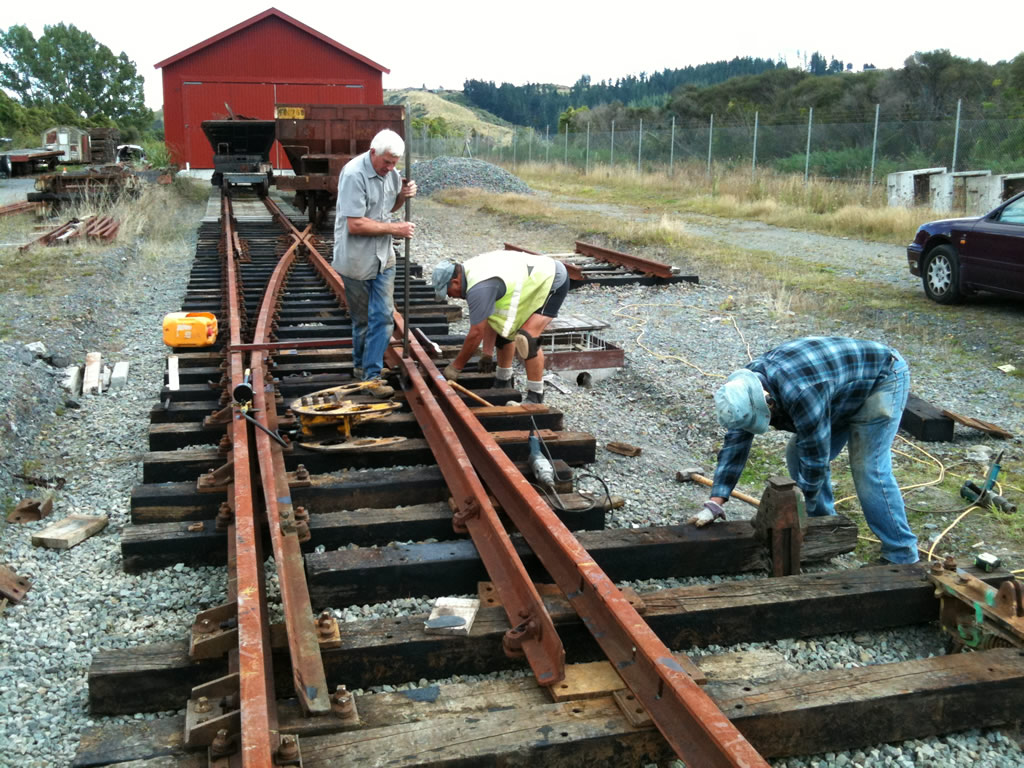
(740,403)
(443,273)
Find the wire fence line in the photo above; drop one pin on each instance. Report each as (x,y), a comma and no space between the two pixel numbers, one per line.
(855,151)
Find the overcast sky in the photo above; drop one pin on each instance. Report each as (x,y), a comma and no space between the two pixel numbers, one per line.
(442,44)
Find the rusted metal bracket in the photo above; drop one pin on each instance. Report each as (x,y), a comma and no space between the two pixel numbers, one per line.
(213,707)
(31,510)
(217,480)
(328,634)
(975,615)
(219,418)
(780,523)
(214,632)
(13,586)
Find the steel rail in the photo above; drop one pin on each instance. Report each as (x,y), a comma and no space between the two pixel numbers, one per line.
(257,701)
(688,718)
(307,664)
(532,632)
(646,266)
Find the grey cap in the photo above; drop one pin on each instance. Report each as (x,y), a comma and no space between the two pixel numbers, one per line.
(443,273)
(740,403)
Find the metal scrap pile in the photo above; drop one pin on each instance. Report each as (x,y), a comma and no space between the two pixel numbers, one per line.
(89,227)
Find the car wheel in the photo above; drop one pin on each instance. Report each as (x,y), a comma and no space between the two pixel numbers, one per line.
(941,275)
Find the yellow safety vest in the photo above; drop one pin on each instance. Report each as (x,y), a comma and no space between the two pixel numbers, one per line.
(527,280)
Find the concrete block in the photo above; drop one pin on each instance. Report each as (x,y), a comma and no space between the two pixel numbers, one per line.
(120,375)
(72,382)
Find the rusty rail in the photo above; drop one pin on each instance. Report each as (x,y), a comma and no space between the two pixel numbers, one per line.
(646,266)
(15,208)
(257,702)
(307,664)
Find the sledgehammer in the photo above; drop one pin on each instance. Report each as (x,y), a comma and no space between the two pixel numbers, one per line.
(694,474)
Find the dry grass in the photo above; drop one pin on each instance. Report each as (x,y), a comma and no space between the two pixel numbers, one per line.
(835,208)
(161,217)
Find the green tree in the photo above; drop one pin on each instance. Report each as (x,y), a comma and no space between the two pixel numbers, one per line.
(68,66)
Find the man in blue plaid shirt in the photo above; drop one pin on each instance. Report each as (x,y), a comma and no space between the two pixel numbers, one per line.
(828,391)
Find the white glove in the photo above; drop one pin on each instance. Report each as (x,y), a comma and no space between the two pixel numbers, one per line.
(709,513)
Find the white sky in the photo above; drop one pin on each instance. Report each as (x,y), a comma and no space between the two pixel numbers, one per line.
(442,44)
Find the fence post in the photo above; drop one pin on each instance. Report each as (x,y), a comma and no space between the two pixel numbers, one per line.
(753,163)
(874,149)
(611,161)
(586,166)
(640,145)
(672,148)
(711,136)
(566,161)
(956,136)
(807,156)
(530,151)
(547,144)
(515,155)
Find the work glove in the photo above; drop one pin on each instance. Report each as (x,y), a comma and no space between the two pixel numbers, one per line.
(486,364)
(709,513)
(451,372)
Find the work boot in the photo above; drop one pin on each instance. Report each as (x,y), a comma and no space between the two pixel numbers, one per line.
(380,389)
(509,383)
(534,397)
(357,374)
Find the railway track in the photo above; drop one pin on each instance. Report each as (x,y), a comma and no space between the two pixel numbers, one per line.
(233,477)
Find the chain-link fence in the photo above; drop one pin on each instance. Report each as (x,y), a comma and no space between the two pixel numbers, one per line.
(863,151)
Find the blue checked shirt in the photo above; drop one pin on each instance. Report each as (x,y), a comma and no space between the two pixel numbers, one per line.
(815,382)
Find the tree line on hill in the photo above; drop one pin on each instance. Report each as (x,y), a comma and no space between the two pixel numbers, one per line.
(927,87)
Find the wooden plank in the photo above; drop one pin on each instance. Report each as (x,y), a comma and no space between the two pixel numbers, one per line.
(173,436)
(925,422)
(91,383)
(982,426)
(173,379)
(395,650)
(510,723)
(454,567)
(160,545)
(575,448)
(72,530)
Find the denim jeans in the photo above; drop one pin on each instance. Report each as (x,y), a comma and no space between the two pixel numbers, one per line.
(870,433)
(371,304)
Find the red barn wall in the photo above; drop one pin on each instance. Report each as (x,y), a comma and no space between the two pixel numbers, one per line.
(269,62)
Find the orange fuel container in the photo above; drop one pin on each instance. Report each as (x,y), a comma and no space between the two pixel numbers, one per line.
(190,329)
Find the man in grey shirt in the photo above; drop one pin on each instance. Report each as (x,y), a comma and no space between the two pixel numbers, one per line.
(369,191)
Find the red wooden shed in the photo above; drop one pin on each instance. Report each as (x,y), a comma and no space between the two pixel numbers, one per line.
(266,60)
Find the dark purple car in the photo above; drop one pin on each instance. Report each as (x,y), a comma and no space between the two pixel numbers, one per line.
(957,257)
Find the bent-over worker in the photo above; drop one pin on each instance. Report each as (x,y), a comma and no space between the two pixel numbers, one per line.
(512,297)
(369,191)
(828,391)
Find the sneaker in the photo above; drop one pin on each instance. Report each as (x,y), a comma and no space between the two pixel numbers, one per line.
(379,388)
(876,561)
(534,397)
(357,374)
(509,383)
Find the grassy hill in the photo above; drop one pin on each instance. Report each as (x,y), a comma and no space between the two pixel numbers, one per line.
(452,107)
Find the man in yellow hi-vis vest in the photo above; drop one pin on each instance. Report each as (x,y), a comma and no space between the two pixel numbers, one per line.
(512,297)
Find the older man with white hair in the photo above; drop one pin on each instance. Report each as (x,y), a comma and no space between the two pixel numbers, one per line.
(828,391)
(369,191)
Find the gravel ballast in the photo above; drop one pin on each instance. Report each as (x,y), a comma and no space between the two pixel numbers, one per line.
(81,602)
(458,172)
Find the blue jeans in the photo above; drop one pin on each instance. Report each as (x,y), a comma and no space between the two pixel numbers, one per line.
(870,433)
(371,304)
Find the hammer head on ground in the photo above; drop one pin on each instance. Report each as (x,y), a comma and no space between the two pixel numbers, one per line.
(686,475)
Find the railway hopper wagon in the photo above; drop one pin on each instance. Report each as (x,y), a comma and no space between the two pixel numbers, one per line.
(319,139)
(241,152)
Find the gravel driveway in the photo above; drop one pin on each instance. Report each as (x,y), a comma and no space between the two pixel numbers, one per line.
(81,601)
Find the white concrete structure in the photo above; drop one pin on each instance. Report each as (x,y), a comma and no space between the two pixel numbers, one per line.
(908,188)
(986,192)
